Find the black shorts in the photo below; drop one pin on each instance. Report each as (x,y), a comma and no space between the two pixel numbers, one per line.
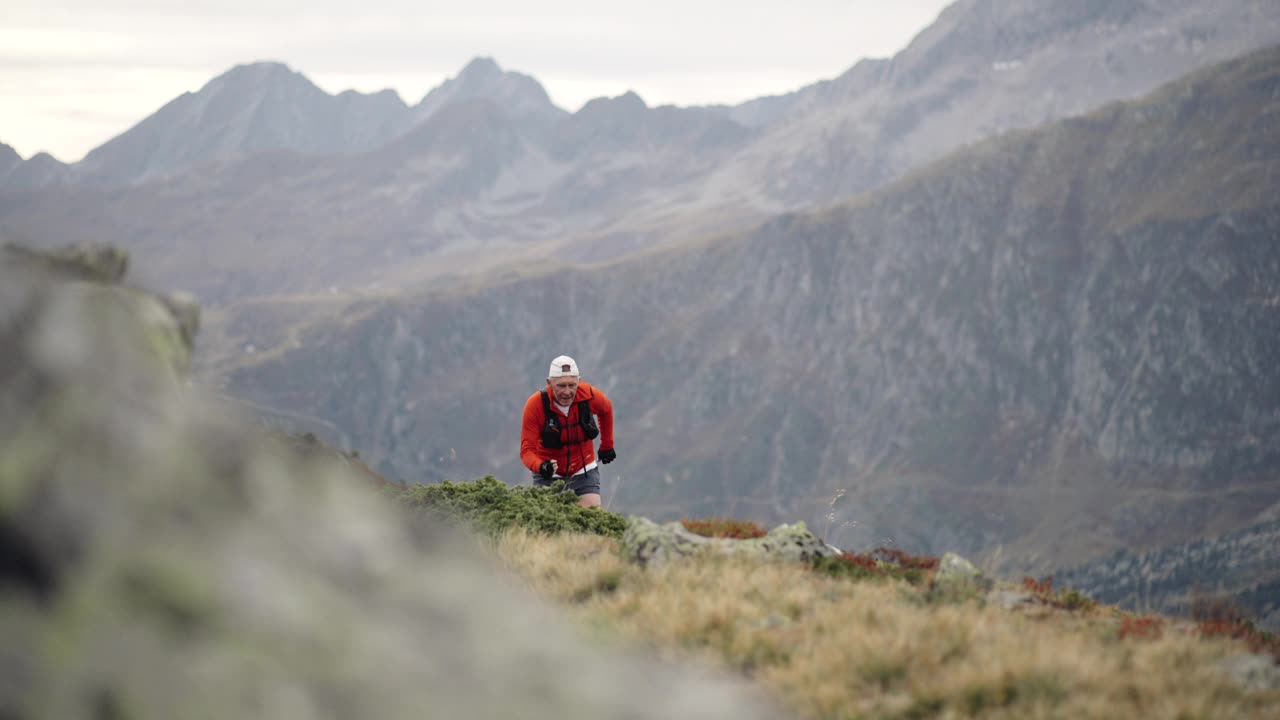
(588,483)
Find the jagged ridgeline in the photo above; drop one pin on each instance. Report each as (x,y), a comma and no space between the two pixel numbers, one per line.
(162,560)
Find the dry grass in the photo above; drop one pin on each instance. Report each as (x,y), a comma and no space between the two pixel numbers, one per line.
(834,648)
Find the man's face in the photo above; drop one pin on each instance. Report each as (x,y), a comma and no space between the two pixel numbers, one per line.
(563,389)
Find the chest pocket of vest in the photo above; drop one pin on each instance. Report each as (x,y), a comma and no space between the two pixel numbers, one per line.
(554,432)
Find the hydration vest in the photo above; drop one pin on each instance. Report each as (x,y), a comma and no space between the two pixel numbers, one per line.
(554,431)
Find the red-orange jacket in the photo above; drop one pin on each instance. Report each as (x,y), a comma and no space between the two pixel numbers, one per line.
(578,452)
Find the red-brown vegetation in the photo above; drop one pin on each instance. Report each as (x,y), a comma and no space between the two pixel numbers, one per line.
(1219,617)
(724,528)
(1141,628)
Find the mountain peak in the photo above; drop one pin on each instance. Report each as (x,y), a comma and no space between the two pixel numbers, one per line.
(623,105)
(40,171)
(9,159)
(483,79)
(263,69)
(632,99)
(251,108)
(257,75)
(481,69)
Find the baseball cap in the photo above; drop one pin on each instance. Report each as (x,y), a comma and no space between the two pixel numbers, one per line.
(564,366)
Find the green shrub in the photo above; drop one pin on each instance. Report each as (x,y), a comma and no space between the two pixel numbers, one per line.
(879,563)
(1073,599)
(491,507)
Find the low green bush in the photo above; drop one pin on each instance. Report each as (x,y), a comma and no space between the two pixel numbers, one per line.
(490,506)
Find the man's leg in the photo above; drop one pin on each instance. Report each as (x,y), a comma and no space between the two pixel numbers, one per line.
(587,486)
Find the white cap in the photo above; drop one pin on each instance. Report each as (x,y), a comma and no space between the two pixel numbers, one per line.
(564,366)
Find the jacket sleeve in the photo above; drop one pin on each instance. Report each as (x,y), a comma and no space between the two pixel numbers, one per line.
(530,428)
(603,409)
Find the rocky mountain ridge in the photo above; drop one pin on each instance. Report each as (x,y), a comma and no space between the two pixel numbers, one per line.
(614,179)
(983,68)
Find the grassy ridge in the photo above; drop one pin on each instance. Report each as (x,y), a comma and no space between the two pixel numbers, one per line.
(860,635)
(831,648)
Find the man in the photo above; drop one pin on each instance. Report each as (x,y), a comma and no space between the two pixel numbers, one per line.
(558,429)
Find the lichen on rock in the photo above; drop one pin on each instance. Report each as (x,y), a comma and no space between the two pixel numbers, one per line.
(958,580)
(646,542)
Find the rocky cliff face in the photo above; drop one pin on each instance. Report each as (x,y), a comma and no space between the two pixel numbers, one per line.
(161,560)
(1058,342)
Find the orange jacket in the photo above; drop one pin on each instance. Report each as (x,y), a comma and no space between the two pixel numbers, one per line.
(574,455)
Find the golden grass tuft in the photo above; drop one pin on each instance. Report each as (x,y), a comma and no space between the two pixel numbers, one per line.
(831,647)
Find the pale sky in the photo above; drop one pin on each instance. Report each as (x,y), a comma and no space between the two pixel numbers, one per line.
(75,73)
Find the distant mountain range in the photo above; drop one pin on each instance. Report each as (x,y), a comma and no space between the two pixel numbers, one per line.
(994,326)
(261,184)
(266,107)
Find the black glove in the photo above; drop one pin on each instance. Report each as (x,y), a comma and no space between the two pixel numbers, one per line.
(546,470)
(608,456)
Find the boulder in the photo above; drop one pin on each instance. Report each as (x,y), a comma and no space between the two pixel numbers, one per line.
(646,542)
(958,580)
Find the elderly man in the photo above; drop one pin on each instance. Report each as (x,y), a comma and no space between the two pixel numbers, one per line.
(559,427)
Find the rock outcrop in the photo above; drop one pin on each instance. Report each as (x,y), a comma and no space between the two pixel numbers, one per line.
(162,560)
(646,542)
(958,579)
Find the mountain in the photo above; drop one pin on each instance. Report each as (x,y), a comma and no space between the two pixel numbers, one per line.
(38,172)
(521,96)
(622,159)
(1058,342)
(616,178)
(249,109)
(985,67)
(9,159)
(625,123)
(470,186)
(266,107)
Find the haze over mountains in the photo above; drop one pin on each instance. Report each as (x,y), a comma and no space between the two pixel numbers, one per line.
(1059,342)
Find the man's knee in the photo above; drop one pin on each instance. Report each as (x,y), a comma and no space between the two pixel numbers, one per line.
(589,500)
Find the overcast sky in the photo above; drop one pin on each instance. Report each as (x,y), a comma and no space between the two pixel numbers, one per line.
(74,73)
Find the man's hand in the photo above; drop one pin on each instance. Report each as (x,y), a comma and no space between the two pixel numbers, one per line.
(547,469)
(608,456)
